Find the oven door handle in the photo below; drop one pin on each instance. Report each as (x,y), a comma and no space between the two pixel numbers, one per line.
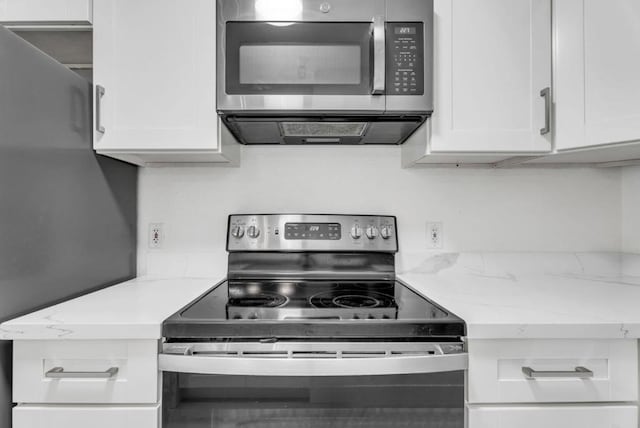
(248,366)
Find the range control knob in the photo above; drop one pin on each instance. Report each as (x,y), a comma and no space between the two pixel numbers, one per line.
(356,232)
(385,232)
(372,232)
(237,232)
(253,232)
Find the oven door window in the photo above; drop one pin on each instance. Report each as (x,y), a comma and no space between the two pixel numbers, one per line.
(299,58)
(433,400)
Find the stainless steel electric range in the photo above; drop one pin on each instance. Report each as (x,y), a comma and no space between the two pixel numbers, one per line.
(312,329)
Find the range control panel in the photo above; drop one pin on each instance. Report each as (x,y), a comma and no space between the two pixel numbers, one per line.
(312,232)
(405,58)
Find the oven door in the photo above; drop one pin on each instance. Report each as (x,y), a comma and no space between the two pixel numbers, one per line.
(301,55)
(313,386)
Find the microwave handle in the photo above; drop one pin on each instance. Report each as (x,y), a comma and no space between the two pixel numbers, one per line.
(247,366)
(379,56)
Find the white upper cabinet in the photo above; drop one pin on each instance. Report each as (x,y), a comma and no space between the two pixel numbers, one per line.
(45,12)
(597,72)
(492,60)
(155,77)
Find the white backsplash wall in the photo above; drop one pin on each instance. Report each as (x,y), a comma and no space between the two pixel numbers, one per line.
(631,209)
(481,209)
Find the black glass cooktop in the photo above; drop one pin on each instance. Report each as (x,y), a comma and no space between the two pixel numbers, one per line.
(270,309)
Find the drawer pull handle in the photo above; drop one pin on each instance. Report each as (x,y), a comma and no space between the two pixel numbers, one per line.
(578,372)
(59,373)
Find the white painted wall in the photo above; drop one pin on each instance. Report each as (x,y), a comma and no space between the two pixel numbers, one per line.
(488,210)
(631,209)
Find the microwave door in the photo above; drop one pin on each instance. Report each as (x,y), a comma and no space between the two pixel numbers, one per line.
(328,67)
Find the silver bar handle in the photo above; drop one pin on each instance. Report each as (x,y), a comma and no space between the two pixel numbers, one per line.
(546,94)
(99,94)
(379,56)
(579,373)
(243,365)
(59,373)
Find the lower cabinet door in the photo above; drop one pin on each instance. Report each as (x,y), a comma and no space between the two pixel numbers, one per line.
(134,381)
(553,417)
(30,416)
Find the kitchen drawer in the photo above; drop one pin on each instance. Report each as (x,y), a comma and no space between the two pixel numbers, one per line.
(553,417)
(496,375)
(29,416)
(136,379)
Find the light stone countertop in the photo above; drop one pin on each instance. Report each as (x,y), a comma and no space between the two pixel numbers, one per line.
(499,295)
(131,310)
(534,295)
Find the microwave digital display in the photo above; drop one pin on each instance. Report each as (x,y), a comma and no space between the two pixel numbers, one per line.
(406,30)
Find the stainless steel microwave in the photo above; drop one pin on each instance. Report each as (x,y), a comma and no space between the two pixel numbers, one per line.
(324,72)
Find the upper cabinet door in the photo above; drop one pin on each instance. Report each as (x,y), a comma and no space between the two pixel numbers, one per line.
(155,74)
(492,60)
(597,72)
(45,11)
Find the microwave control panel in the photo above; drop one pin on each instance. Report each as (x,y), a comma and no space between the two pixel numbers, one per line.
(405,58)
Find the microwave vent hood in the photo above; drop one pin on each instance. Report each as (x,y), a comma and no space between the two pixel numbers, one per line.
(331,130)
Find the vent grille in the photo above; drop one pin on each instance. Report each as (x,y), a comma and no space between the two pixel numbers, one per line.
(323,129)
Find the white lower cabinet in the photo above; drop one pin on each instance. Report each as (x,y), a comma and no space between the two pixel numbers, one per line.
(553,417)
(497,371)
(85,371)
(86,383)
(34,416)
(552,383)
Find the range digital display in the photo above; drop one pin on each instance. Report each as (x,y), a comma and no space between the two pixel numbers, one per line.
(312,231)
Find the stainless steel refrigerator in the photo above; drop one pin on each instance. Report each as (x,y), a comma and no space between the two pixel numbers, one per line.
(67,216)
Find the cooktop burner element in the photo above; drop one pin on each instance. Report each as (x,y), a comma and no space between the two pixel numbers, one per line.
(312,277)
(262,300)
(350,301)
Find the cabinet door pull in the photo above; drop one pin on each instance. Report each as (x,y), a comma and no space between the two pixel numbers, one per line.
(99,94)
(59,373)
(579,373)
(546,94)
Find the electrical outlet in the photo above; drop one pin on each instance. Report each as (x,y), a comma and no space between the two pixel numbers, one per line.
(156,235)
(435,237)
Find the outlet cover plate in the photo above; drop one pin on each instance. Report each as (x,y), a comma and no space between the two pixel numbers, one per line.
(435,237)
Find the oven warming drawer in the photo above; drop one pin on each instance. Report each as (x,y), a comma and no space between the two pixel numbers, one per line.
(313,359)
